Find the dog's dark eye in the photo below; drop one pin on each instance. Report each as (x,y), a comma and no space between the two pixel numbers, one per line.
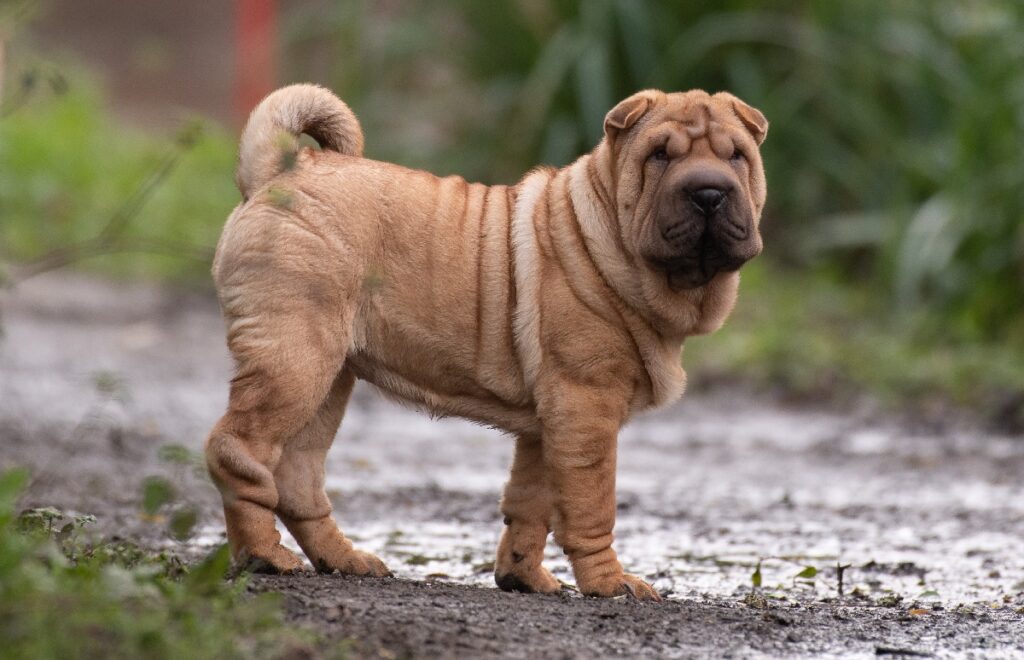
(660,154)
(737,156)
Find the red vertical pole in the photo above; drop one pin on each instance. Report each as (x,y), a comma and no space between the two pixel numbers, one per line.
(255,53)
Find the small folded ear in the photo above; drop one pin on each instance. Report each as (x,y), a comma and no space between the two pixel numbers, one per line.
(627,113)
(752,119)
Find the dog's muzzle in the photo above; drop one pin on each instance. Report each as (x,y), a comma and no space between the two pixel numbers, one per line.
(708,232)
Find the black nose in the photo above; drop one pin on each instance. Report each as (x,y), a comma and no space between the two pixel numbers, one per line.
(707,200)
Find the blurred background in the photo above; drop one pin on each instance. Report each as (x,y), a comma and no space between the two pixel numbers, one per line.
(894,259)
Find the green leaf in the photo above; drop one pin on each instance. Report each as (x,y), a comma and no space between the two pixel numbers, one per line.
(208,575)
(48,513)
(38,520)
(177,454)
(65,532)
(83,519)
(808,573)
(12,483)
(419,560)
(755,577)
(182,522)
(156,492)
(108,382)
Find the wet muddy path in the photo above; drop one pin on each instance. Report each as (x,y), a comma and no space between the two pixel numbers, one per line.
(95,379)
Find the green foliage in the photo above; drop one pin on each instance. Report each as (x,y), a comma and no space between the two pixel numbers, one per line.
(816,339)
(176,454)
(808,573)
(68,167)
(183,521)
(156,492)
(64,597)
(162,501)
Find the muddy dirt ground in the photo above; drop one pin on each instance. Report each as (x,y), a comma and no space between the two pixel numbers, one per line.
(96,378)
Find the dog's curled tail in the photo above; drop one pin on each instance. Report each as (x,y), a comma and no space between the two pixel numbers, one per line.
(269,143)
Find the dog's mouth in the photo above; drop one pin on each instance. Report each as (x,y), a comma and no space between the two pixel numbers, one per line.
(693,269)
(684,279)
(701,262)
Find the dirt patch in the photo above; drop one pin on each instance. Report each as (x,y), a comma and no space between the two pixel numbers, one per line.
(96,380)
(434,619)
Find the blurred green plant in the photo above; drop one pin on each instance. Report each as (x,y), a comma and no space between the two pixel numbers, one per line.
(62,596)
(811,339)
(76,186)
(894,155)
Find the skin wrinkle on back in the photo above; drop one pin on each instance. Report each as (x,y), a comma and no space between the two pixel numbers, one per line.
(525,317)
(478,299)
(466,216)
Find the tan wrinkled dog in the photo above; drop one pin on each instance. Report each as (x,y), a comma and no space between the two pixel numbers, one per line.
(554,309)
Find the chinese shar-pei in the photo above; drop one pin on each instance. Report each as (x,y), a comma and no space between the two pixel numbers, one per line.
(554,309)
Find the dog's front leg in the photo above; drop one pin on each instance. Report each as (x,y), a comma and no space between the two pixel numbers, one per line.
(579,452)
(527,506)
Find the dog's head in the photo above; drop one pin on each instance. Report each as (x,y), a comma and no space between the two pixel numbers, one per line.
(689,182)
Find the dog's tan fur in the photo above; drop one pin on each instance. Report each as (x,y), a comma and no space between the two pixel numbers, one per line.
(531,308)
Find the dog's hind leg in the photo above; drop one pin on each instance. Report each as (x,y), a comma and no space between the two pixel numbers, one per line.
(303,506)
(287,363)
(528,506)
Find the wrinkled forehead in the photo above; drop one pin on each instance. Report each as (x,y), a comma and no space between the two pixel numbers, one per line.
(697,114)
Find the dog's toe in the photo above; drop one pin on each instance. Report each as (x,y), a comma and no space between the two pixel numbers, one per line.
(620,585)
(354,562)
(539,580)
(277,560)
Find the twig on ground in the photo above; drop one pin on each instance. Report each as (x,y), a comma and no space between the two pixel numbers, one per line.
(840,571)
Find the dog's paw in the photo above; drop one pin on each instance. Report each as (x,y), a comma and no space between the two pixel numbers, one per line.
(622,584)
(276,560)
(537,580)
(353,562)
